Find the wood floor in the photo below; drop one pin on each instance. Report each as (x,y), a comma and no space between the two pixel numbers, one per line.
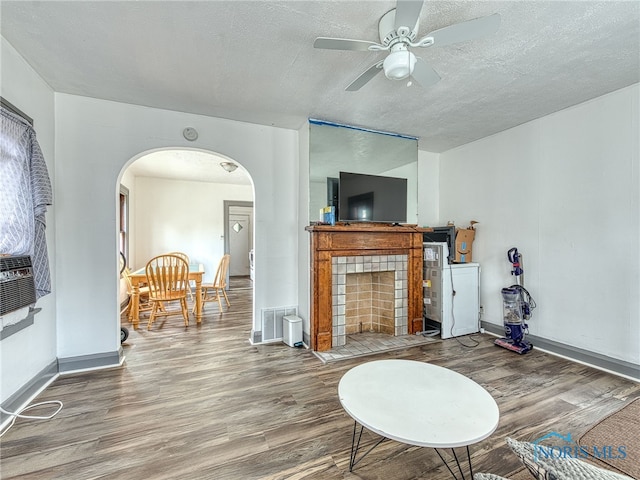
(203,403)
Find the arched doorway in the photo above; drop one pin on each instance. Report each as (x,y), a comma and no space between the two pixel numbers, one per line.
(177,202)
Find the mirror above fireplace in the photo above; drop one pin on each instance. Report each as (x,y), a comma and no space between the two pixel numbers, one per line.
(334,148)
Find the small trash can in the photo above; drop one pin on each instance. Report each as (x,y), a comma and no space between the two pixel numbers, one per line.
(292,330)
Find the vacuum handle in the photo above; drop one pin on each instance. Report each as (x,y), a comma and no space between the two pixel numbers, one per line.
(514,258)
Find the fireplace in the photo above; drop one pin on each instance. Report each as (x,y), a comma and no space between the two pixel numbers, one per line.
(341,251)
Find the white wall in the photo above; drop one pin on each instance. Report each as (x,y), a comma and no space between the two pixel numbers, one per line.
(564,190)
(429,189)
(175,215)
(95,140)
(304,239)
(26,353)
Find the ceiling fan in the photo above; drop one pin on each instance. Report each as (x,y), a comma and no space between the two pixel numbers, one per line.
(398,30)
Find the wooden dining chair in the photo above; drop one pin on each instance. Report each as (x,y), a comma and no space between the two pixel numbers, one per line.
(182,255)
(213,291)
(144,305)
(167,276)
(185,257)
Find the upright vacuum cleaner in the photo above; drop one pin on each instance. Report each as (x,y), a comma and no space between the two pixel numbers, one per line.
(517,307)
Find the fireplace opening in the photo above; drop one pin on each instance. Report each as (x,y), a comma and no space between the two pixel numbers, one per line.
(369,295)
(369,303)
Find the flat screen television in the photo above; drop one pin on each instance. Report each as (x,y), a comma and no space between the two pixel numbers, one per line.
(372,198)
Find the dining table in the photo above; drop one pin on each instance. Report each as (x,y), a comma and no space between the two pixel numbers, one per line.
(139,277)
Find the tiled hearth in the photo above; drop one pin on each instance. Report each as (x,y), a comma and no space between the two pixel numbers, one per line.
(363,344)
(369,294)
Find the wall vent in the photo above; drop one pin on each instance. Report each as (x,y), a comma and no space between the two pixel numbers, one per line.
(272,321)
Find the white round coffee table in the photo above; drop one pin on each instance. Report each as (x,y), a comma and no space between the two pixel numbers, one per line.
(418,404)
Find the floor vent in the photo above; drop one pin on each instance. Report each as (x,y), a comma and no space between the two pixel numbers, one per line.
(272,321)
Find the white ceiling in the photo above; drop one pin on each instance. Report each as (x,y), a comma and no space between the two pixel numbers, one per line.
(190,165)
(254,61)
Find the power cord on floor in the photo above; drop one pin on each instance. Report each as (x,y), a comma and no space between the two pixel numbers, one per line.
(434,332)
(19,413)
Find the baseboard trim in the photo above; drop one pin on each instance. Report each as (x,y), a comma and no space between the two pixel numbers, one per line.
(90,362)
(603,362)
(29,391)
(42,379)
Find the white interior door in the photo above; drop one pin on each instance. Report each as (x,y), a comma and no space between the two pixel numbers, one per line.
(240,239)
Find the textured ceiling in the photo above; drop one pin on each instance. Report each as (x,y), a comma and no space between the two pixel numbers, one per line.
(189,165)
(255,62)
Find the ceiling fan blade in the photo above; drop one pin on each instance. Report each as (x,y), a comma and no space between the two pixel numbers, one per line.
(342,44)
(407,13)
(424,74)
(359,82)
(470,30)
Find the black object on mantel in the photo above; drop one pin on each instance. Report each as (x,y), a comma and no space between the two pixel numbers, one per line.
(443,234)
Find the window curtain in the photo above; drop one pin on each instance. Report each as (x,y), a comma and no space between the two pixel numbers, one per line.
(25,193)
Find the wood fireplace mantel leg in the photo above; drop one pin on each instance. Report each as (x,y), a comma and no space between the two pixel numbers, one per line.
(414,292)
(323,304)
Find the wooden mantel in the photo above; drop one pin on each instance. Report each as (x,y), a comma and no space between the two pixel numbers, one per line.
(355,240)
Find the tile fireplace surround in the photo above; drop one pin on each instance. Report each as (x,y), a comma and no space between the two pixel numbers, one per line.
(395,246)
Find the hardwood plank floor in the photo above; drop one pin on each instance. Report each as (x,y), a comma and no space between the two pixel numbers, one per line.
(203,403)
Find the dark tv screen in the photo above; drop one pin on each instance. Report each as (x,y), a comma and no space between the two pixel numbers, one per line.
(372,198)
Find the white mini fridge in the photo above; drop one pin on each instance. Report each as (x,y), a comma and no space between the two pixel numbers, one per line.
(451,292)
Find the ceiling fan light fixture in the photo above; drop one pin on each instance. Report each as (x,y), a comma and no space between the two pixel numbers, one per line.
(399,64)
(228,166)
